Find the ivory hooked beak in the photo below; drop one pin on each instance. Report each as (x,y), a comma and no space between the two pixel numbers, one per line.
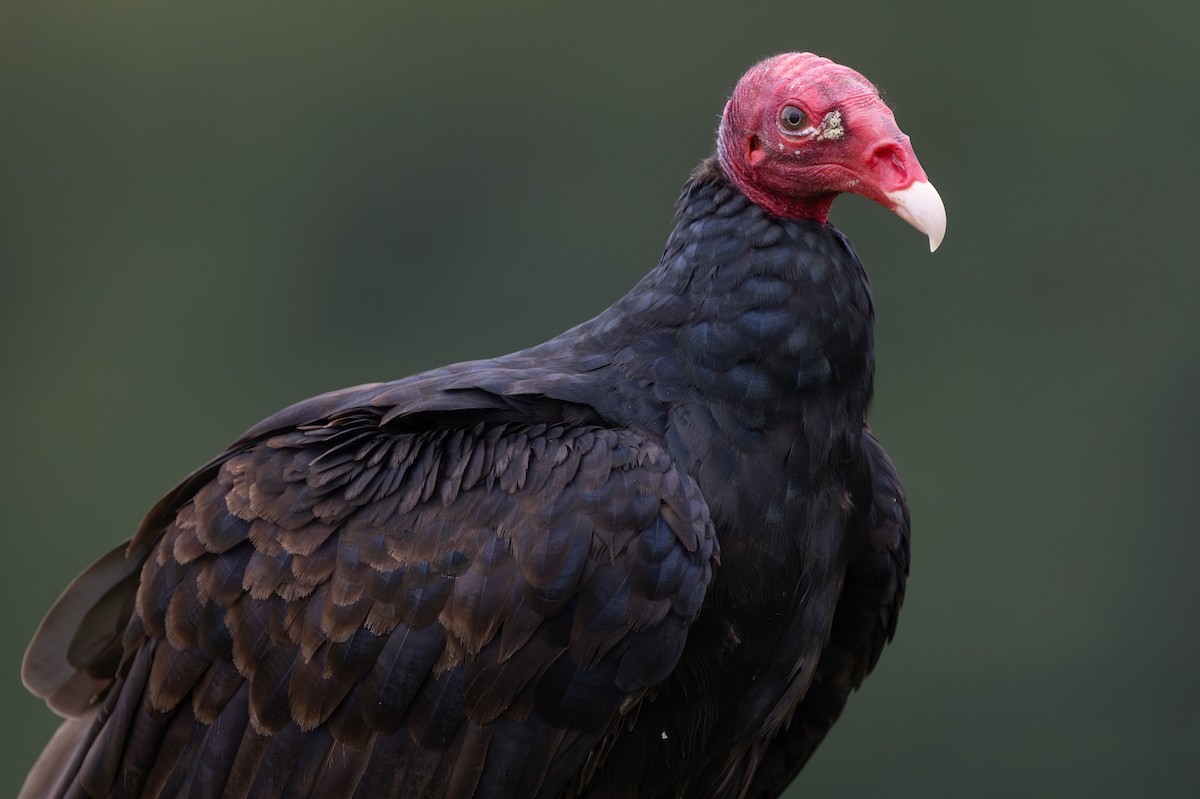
(921,206)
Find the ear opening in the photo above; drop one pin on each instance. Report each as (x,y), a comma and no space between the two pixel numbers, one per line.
(754,151)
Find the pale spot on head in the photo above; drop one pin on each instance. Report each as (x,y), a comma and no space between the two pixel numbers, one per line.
(831,127)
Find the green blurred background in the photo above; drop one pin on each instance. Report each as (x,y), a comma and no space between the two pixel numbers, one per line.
(210,211)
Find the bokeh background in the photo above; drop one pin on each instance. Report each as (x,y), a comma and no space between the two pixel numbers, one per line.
(208,211)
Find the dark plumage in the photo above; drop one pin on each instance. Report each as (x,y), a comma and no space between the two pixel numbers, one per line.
(650,557)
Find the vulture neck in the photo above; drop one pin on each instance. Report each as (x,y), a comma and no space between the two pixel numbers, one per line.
(753,314)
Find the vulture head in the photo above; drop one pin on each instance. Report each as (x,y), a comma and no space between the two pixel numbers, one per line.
(800,129)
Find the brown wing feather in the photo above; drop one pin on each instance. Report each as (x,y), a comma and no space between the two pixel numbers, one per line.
(62,663)
(440,609)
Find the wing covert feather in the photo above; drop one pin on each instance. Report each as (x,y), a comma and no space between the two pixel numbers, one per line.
(380,596)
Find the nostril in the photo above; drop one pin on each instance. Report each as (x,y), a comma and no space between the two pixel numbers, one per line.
(887,162)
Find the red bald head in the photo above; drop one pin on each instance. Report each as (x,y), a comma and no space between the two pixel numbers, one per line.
(800,129)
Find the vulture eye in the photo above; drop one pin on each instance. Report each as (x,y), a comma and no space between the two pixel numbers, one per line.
(792,119)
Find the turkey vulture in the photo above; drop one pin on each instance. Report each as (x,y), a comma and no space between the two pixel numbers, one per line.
(650,557)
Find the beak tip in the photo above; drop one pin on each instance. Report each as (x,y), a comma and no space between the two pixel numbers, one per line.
(921,206)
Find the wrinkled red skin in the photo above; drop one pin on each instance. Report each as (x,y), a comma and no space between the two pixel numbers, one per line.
(798,176)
